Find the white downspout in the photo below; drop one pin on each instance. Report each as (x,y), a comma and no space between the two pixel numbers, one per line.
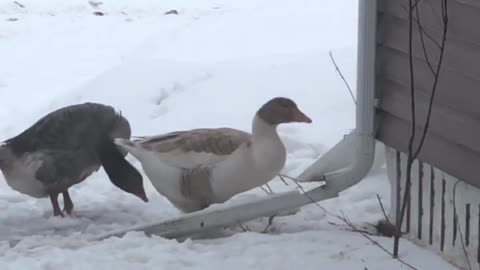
(341,167)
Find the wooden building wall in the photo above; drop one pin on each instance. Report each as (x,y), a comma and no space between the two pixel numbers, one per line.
(453,140)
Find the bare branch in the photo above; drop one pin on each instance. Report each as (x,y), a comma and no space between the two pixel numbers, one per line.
(270,222)
(422,40)
(19,4)
(415,5)
(308,196)
(430,37)
(383,209)
(341,76)
(264,189)
(350,229)
(348,222)
(435,82)
(366,236)
(412,155)
(245,228)
(283,180)
(269,188)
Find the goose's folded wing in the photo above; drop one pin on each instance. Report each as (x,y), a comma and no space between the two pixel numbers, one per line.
(195,148)
(57,166)
(195,185)
(68,128)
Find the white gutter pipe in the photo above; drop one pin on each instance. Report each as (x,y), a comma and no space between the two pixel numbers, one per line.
(333,164)
(346,164)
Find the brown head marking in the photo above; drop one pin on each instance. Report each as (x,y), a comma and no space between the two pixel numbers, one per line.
(281,110)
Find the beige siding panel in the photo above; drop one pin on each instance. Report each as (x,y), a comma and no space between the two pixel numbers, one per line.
(462,17)
(453,141)
(453,90)
(459,57)
(452,158)
(469,3)
(444,122)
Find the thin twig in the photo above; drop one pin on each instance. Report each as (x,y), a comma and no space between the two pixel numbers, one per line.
(366,236)
(270,222)
(430,37)
(383,209)
(343,78)
(437,75)
(281,176)
(292,178)
(19,4)
(350,229)
(264,189)
(269,189)
(310,198)
(415,5)
(399,216)
(283,180)
(412,155)
(348,222)
(306,194)
(245,228)
(386,227)
(422,40)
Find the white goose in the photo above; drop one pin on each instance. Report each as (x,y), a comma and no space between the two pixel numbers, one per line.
(196,168)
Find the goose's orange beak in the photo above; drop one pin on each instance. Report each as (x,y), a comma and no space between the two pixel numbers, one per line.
(299,116)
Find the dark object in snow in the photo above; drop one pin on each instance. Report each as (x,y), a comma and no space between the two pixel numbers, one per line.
(65,147)
(95,4)
(19,4)
(173,11)
(12,19)
(385,228)
(98,13)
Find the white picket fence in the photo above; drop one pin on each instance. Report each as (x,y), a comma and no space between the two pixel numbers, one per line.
(442,213)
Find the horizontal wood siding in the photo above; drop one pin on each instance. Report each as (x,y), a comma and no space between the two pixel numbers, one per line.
(453,141)
(462,14)
(454,90)
(445,122)
(452,158)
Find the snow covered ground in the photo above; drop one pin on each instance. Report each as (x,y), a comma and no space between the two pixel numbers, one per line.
(211,65)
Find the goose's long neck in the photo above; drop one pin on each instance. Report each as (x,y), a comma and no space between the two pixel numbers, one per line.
(268,154)
(263,131)
(258,164)
(266,142)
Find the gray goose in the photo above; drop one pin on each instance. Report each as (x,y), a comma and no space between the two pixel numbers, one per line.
(196,168)
(65,147)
